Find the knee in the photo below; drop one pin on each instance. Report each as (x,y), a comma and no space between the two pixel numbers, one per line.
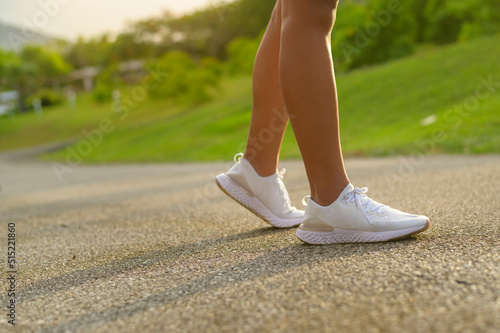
(310,14)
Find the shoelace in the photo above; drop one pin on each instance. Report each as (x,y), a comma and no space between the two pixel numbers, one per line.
(364,203)
(284,194)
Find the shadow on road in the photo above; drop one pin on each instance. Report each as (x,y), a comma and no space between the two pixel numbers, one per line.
(271,263)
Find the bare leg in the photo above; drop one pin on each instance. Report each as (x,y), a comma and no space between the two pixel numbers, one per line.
(309,90)
(307,81)
(269,118)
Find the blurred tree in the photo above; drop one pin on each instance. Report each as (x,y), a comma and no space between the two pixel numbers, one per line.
(478,17)
(442,27)
(103,52)
(245,18)
(361,36)
(206,32)
(47,65)
(417,8)
(91,52)
(128,46)
(449,21)
(241,55)
(372,32)
(19,76)
(33,69)
(188,82)
(196,33)
(10,67)
(3,56)
(106,82)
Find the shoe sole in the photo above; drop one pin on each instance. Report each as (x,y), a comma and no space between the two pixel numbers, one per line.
(241,196)
(351,236)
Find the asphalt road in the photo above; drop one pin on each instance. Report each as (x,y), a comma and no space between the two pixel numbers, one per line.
(157,247)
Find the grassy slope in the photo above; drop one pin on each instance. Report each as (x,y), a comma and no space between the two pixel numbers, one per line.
(381,109)
(396,96)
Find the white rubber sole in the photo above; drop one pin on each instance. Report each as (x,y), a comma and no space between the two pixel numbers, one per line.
(351,236)
(241,196)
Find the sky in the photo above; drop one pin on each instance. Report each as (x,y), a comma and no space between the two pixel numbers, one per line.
(71,18)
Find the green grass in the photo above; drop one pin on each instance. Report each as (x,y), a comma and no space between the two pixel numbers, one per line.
(380,110)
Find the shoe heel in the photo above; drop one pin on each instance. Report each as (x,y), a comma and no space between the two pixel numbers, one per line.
(314,224)
(241,196)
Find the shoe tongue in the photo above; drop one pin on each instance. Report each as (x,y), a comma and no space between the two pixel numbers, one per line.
(347,189)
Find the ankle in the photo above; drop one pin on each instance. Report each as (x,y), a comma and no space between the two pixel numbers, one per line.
(326,195)
(263,169)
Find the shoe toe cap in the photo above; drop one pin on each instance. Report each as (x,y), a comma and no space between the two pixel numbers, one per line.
(395,220)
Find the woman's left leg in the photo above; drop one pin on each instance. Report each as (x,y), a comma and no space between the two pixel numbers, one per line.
(269,118)
(254,181)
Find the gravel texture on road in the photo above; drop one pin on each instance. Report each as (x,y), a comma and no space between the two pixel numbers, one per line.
(159,248)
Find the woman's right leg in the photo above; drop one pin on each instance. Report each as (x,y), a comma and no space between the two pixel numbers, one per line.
(309,90)
(308,87)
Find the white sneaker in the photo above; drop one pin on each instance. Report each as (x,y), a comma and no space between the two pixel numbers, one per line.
(266,197)
(355,218)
